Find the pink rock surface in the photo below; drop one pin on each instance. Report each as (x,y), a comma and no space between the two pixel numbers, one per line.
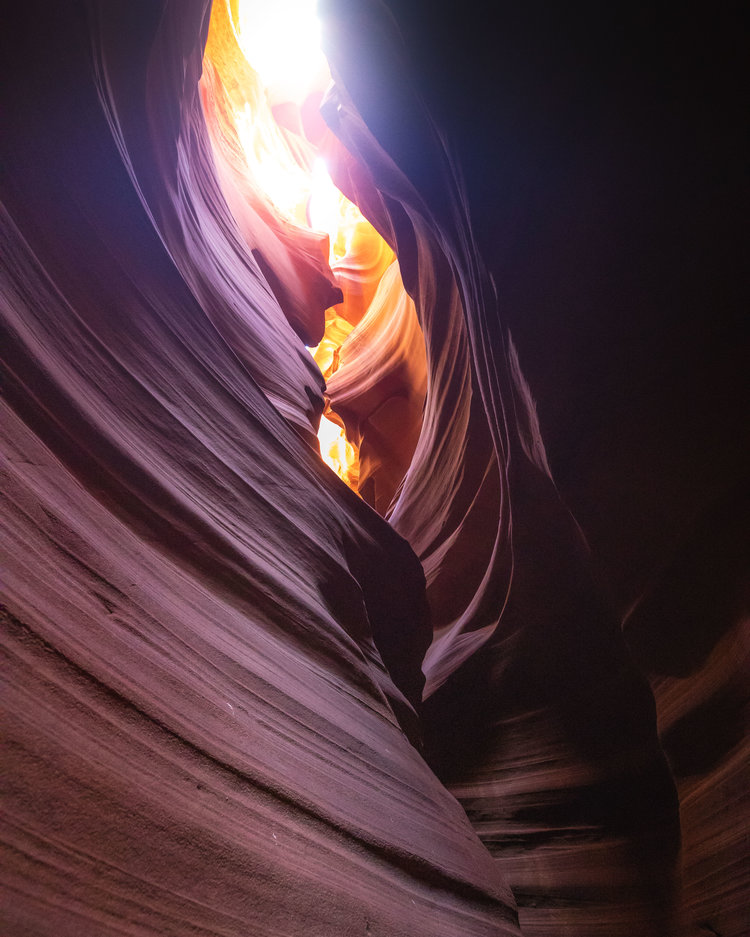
(239,700)
(537,719)
(202,734)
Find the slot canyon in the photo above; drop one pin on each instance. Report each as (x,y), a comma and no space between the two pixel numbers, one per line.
(375,453)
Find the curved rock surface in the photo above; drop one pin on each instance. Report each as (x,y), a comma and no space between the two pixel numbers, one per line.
(202,735)
(549,644)
(241,701)
(379,389)
(524,645)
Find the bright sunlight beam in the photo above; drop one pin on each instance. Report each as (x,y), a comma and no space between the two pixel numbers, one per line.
(281,40)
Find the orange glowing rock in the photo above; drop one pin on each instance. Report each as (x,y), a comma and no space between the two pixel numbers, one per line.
(265,181)
(379,388)
(361,269)
(337,451)
(274,176)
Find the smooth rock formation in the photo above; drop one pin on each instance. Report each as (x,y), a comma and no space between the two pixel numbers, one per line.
(239,699)
(202,734)
(524,646)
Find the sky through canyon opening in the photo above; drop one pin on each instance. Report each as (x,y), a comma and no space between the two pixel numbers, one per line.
(269,55)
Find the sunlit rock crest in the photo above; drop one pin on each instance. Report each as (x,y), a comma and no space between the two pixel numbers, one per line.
(240,700)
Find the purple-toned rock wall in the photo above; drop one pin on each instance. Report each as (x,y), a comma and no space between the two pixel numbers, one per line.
(240,701)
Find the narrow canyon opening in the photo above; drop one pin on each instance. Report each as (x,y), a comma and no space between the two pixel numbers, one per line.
(511,698)
(265,79)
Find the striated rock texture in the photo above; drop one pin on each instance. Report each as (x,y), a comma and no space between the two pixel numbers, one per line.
(601,156)
(213,645)
(379,389)
(537,719)
(239,700)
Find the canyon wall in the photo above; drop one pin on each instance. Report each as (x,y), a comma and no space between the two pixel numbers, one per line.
(240,701)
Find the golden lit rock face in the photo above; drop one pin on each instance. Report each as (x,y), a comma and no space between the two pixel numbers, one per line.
(263,173)
(214,651)
(258,125)
(203,732)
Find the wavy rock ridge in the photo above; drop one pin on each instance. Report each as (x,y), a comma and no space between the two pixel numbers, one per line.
(240,700)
